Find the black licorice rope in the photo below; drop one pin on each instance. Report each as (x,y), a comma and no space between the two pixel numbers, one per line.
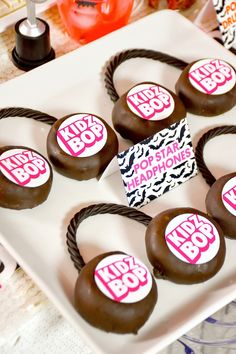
(95,209)
(224,129)
(27,113)
(136,53)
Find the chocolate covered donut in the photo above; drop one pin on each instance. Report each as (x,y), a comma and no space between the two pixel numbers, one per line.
(185,245)
(80,146)
(221,203)
(25,177)
(115,293)
(146,109)
(207,87)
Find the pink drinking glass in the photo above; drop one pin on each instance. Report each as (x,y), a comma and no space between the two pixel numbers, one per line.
(89,20)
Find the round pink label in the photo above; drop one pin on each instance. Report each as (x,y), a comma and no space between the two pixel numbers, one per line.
(151,102)
(192,238)
(24,167)
(7,266)
(229,195)
(212,76)
(82,135)
(123,278)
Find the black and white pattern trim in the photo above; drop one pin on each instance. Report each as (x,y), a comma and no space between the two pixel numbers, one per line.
(228,34)
(162,182)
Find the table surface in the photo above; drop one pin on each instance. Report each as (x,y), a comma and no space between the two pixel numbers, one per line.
(26,313)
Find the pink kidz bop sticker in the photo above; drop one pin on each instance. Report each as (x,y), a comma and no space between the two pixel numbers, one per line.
(192,238)
(212,76)
(82,135)
(123,278)
(229,195)
(24,167)
(151,102)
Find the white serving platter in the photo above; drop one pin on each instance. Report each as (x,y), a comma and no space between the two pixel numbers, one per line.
(36,238)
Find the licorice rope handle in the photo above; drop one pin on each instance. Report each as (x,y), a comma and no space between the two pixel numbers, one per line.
(199,151)
(95,209)
(136,53)
(27,113)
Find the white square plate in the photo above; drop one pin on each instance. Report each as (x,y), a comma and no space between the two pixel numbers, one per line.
(36,238)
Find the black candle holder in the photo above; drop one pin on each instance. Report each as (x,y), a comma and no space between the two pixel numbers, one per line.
(33,46)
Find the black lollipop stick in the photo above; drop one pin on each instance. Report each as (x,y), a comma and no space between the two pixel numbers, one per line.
(102,208)
(136,53)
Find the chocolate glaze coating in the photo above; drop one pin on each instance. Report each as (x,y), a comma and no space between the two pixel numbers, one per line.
(200,103)
(216,208)
(166,264)
(14,196)
(131,126)
(104,313)
(80,168)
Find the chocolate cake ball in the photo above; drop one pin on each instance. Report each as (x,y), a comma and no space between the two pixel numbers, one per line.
(185,245)
(116,293)
(146,109)
(221,203)
(25,177)
(207,87)
(80,146)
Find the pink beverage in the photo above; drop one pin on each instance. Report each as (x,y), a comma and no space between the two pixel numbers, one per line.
(89,20)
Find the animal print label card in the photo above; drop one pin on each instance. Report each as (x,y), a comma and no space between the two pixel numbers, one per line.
(157,164)
(226,16)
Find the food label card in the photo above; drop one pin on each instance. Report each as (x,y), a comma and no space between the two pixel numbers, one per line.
(226,16)
(157,164)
